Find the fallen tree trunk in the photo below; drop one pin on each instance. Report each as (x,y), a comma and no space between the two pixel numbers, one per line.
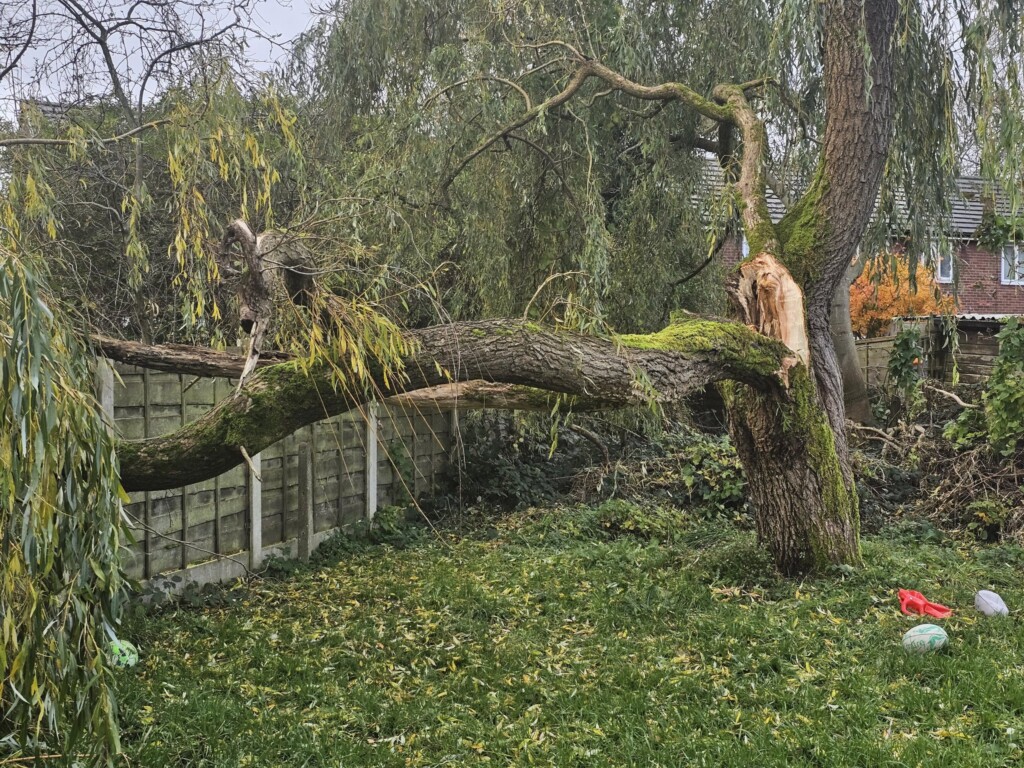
(180,358)
(279,399)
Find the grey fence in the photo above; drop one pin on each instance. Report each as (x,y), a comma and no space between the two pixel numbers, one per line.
(873,355)
(216,529)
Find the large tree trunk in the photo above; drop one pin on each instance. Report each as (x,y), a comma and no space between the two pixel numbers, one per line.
(806,511)
(855,386)
(810,519)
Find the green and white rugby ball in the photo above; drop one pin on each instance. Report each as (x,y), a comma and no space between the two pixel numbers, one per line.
(123,654)
(924,638)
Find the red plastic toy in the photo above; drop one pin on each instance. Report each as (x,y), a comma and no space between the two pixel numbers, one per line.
(915,602)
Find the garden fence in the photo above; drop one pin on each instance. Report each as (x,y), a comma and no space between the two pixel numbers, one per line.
(323,478)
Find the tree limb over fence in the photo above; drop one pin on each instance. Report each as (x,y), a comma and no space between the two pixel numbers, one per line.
(279,399)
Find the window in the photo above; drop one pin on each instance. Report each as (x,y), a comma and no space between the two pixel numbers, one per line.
(943,267)
(1013,264)
(941,262)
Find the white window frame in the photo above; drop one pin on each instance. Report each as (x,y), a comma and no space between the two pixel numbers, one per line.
(937,261)
(933,262)
(1017,249)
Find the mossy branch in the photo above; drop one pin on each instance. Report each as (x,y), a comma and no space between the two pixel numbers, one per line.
(277,400)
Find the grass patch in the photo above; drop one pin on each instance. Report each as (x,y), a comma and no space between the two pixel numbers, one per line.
(559,640)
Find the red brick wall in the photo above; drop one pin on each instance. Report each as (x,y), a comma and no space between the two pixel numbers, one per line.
(732,251)
(980,287)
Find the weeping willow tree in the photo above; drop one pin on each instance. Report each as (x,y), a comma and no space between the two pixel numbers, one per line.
(61,586)
(548,161)
(565,146)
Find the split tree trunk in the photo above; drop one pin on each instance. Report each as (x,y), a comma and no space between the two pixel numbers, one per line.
(796,457)
(806,510)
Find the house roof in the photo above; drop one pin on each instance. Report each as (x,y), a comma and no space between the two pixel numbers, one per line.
(968,205)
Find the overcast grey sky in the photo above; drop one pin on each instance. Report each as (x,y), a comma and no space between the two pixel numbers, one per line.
(286,18)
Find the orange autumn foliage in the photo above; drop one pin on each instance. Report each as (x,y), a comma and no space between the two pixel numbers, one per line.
(875,301)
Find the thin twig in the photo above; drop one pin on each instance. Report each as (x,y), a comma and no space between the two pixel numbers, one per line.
(877,434)
(950,395)
(189,545)
(252,467)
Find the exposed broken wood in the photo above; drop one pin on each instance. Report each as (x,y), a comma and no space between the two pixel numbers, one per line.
(770,301)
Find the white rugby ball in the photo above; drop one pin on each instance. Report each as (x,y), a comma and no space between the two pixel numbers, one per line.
(924,638)
(990,603)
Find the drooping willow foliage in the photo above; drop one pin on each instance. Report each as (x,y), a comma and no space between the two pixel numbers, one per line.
(606,191)
(60,531)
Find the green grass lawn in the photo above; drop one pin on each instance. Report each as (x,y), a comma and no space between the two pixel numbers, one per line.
(552,642)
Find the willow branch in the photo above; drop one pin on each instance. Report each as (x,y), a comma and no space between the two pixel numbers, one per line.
(36,142)
(586,69)
(482,78)
(575,83)
(752,183)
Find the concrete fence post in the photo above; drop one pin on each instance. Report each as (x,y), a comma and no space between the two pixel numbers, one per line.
(256,512)
(105,389)
(305,501)
(370,480)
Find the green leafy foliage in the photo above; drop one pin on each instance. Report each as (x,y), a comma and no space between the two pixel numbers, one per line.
(708,470)
(1004,392)
(60,531)
(508,461)
(904,365)
(1001,422)
(996,231)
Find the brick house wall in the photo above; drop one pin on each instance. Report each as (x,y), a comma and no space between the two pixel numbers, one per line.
(732,251)
(980,289)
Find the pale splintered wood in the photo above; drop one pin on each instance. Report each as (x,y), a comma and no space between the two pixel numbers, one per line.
(773,303)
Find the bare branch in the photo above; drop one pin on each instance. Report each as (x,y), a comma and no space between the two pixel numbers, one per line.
(482,78)
(28,42)
(35,142)
(177,49)
(962,403)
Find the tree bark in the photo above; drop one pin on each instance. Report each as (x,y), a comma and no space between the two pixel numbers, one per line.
(811,520)
(278,399)
(206,362)
(806,514)
(855,386)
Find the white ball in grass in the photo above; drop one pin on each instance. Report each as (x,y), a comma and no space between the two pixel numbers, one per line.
(990,603)
(924,638)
